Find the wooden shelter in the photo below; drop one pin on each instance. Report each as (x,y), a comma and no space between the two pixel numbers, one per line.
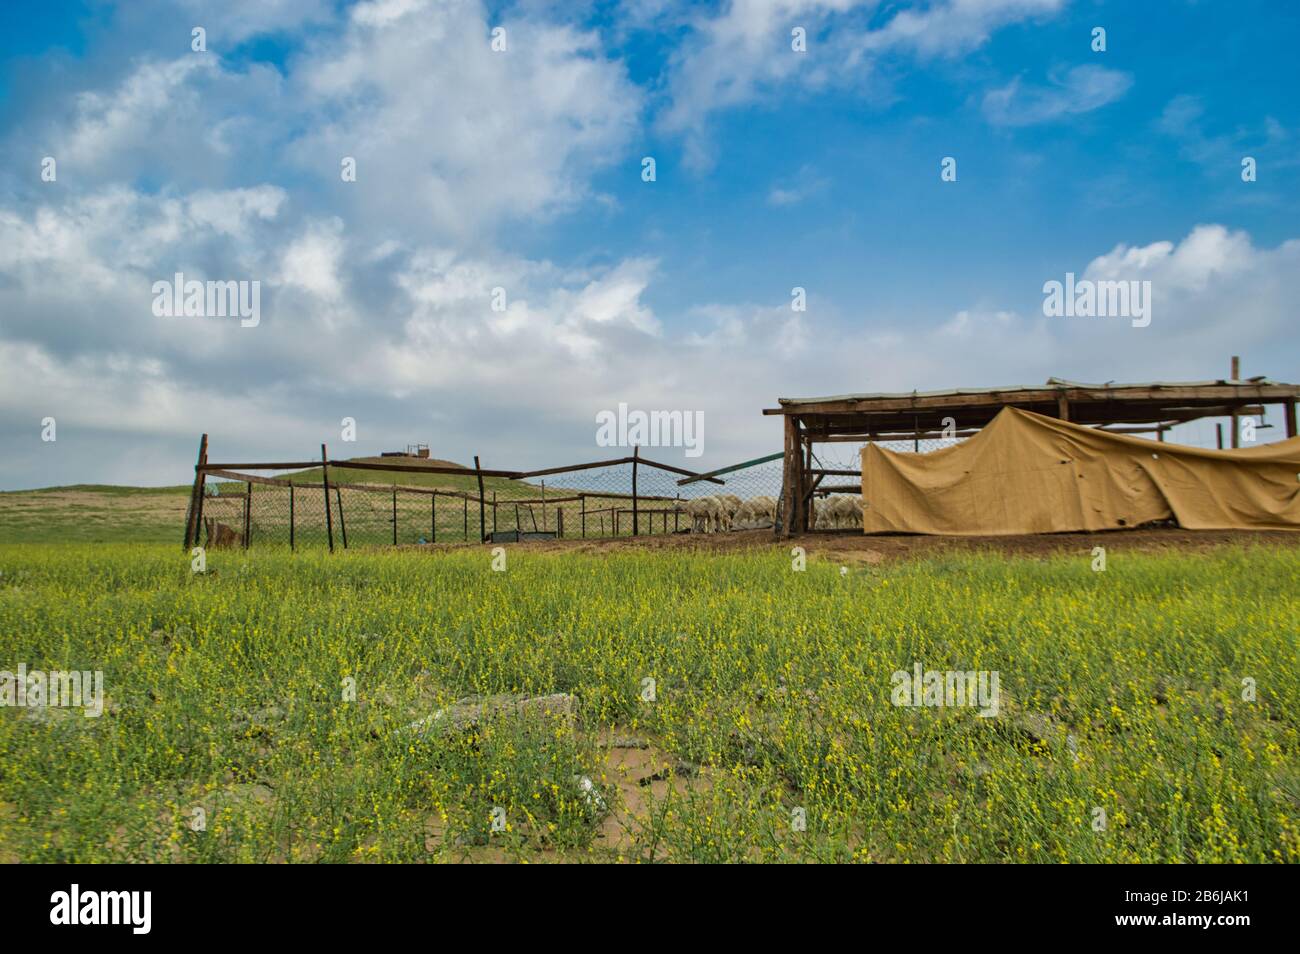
(1125,408)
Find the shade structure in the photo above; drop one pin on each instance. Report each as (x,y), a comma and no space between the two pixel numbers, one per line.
(1026,473)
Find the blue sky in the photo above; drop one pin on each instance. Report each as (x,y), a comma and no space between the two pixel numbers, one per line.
(521,170)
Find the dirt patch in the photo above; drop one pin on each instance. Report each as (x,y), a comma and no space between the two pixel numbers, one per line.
(851,548)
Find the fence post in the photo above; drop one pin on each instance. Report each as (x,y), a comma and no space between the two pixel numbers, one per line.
(677,512)
(482,519)
(636,526)
(465,505)
(394,514)
(248,514)
(342,519)
(325,482)
(559,522)
(530,509)
(494,513)
(582,498)
(290,517)
(195,517)
(433,518)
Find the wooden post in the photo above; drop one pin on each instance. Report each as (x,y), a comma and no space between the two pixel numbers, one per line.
(194,520)
(290,517)
(1289,410)
(582,503)
(1218,433)
(248,514)
(494,513)
(530,509)
(343,522)
(1236,426)
(789,479)
(465,515)
(518,525)
(325,482)
(1063,407)
(559,522)
(677,512)
(433,517)
(1160,434)
(482,519)
(636,516)
(394,514)
(806,465)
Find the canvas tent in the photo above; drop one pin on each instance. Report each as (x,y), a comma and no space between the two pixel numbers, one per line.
(1027,473)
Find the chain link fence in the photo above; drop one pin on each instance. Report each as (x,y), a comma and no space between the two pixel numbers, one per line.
(620,498)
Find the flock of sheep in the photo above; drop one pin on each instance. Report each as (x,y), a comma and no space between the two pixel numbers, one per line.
(722,512)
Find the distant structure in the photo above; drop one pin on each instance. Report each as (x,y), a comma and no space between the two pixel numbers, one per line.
(412,450)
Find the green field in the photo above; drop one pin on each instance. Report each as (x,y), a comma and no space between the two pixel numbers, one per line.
(770,734)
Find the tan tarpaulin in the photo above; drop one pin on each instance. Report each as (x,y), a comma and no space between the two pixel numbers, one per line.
(1025,473)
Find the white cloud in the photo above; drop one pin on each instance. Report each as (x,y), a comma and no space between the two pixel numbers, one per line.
(1080,89)
(742,53)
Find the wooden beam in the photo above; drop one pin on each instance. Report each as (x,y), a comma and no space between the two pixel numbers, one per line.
(1168,395)
(1289,409)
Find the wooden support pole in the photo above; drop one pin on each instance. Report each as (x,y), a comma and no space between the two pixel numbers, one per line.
(1063,407)
(433,517)
(394,514)
(291,518)
(636,516)
(465,517)
(790,466)
(582,498)
(325,482)
(194,520)
(1236,425)
(482,520)
(248,514)
(559,522)
(1218,433)
(1289,409)
(494,513)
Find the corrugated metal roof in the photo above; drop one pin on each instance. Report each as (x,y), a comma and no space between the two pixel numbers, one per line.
(1051,383)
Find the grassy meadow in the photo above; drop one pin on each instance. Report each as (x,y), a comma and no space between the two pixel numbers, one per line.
(262,710)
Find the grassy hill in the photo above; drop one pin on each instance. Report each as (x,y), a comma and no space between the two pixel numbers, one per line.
(105,513)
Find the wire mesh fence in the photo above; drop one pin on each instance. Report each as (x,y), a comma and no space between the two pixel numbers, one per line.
(627,497)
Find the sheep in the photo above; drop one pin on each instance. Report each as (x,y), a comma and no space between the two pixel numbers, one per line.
(707,514)
(730,505)
(821,515)
(221,535)
(755,511)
